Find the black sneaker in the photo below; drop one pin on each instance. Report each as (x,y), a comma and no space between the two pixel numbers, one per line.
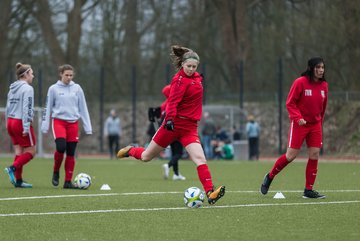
(69,185)
(312,194)
(266,184)
(55,179)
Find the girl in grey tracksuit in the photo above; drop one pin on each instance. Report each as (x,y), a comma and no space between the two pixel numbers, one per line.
(65,105)
(18,117)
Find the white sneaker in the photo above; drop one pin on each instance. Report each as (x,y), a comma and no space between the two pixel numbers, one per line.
(166,170)
(178,177)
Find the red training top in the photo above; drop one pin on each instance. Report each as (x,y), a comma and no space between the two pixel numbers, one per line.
(185,99)
(307,100)
(166,92)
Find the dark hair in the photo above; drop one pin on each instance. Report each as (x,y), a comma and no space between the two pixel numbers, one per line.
(312,62)
(64,67)
(21,69)
(180,54)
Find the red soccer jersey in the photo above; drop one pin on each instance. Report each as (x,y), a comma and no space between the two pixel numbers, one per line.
(307,100)
(185,99)
(166,92)
(163,109)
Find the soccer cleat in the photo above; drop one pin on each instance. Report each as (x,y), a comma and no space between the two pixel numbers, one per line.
(124,152)
(266,184)
(55,179)
(179,177)
(213,196)
(69,185)
(10,171)
(312,194)
(166,170)
(22,184)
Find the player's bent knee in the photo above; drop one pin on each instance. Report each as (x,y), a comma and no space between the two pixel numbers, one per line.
(146,158)
(60,145)
(199,161)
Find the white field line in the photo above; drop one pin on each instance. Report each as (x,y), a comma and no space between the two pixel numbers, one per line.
(149,193)
(57,196)
(176,208)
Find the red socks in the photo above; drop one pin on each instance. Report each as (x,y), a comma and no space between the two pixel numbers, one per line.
(69,167)
(19,162)
(280,164)
(69,164)
(136,152)
(18,171)
(310,173)
(58,158)
(22,159)
(205,177)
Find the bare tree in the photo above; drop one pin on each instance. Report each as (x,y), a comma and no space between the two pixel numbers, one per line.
(44,14)
(124,33)
(111,42)
(351,14)
(136,26)
(5,16)
(231,16)
(132,36)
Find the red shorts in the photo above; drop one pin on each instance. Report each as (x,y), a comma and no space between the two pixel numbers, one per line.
(311,132)
(15,130)
(185,132)
(67,130)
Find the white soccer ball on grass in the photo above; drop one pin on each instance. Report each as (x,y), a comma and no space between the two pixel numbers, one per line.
(194,197)
(82,181)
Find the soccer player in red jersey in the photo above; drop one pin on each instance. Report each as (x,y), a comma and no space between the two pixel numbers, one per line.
(306,104)
(183,112)
(19,116)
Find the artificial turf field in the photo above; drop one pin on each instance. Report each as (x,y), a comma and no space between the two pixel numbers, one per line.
(141,205)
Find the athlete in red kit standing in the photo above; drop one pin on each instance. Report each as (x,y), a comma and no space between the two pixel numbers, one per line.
(183,112)
(306,104)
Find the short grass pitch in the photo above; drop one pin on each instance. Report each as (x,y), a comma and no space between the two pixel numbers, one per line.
(141,205)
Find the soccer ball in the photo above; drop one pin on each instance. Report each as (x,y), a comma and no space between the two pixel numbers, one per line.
(82,181)
(194,197)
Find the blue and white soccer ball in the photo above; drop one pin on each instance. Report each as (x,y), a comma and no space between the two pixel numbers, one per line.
(194,197)
(82,181)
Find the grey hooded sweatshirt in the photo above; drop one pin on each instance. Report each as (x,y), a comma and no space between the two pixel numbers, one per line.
(68,103)
(20,103)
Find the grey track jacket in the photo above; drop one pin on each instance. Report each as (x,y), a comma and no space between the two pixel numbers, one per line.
(20,103)
(66,102)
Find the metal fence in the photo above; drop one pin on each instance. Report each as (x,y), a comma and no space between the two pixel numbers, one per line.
(225,109)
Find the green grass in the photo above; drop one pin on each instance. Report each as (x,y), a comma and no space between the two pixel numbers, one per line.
(128,213)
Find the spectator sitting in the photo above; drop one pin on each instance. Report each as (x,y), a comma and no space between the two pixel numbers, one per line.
(228,150)
(217,149)
(221,134)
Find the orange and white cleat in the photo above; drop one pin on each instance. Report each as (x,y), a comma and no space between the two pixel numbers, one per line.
(124,152)
(213,196)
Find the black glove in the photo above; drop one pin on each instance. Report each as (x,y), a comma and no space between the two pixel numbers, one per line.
(169,125)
